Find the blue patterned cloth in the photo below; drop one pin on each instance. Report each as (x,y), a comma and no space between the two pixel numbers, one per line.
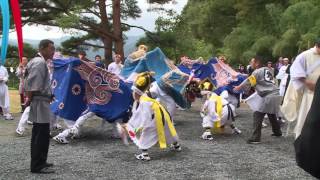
(154,60)
(219,73)
(79,85)
(174,84)
(68,88)
(169,78)
(187,70)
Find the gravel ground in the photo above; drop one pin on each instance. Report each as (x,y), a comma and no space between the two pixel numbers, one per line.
(98,156)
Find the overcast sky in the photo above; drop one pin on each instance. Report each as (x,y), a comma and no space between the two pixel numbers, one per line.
(146,20)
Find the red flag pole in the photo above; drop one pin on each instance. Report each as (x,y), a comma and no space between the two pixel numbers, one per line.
(17,21)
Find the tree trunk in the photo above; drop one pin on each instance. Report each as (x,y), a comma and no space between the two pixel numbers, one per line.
(117,32)
(107,42)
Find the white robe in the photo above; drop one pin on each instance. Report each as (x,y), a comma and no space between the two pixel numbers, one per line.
(4,92)
(142,119)
(283,76)
(163,98)
(298,98)
(212,116)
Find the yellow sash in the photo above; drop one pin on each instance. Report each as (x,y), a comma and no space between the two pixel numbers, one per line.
(218,100)
(157,108)
(252,80)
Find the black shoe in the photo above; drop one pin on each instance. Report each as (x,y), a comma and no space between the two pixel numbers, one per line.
(251,141)
(48,165)
(276,135)
(45,170)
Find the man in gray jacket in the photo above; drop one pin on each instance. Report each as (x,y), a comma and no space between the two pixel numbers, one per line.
(39,96)
(264,83)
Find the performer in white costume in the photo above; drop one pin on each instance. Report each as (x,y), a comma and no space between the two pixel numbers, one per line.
(216,109)
(304,72)
(74,130)
(151,119)
(163,98)
(4,93)
(283,76)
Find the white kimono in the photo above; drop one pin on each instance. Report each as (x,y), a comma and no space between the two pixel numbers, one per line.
(298,98)
(143,120)
(283,76)
(163,98)
(212,116)
(4,92)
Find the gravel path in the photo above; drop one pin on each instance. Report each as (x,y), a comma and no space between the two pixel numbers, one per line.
(98,156)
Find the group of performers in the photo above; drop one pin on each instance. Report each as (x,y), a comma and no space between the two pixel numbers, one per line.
(155,101)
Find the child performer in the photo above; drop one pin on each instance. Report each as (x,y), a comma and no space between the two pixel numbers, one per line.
(151,119)
(216,109)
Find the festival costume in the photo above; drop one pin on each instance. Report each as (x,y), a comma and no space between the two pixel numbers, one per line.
(282,76)
(161,96)
(217,112)
(75,130)
(307,145)
(150,122)
(4,93)
(298,98)
(267,102)
(106,96)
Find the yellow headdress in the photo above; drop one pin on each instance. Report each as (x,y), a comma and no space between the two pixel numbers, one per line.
(207,86)
(142,82)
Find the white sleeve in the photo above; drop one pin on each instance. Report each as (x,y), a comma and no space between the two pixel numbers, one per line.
(135,120)
(298,70)
(6,75)
(204,106)
(110,67)
(282,72)
(224,94)
(146,115)
(154,90)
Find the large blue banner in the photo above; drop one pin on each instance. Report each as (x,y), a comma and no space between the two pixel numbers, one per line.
(221,75)
(78,85)
(68,88)
(154,60)
(169,78)
(186,69)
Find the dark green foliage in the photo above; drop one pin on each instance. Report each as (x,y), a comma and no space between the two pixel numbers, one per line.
(241,29)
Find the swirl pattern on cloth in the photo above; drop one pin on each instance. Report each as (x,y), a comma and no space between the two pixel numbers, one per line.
(100,84)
